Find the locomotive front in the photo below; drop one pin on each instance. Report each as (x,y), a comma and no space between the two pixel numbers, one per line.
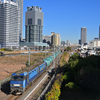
(18,82)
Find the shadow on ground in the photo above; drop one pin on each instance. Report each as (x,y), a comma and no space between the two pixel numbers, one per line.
(5,88)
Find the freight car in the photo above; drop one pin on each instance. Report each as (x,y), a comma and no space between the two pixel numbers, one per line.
(19,81)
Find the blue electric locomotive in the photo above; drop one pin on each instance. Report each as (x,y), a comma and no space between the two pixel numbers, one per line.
(19,81)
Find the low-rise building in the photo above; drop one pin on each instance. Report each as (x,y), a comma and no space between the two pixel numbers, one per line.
(47,39)
(94,43)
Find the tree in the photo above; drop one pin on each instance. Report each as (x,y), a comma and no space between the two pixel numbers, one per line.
(68,48)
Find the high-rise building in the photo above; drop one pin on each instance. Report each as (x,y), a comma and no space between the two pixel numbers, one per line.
(9,24)
(80,41)
(55,39)
(63,43)
(99,31)
(67,43)
(33,24)
(83,35)
(20,7)
(34,28)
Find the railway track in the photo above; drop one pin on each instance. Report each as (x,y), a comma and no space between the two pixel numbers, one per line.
(13,97)
(16,97)
(33,96)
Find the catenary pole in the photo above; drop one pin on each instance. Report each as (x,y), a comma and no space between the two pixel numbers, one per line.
(29,58)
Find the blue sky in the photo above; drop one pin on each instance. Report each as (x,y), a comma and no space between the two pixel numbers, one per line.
(67,17)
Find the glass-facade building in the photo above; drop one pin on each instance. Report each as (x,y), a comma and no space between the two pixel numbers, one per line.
(33,24)
(9,24)
(20,7)
(34,28)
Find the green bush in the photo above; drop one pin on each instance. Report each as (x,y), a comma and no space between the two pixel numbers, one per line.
(68,76)
(4,49)
(68,48)
(84,72)
(89,78)
(72,85)
(36,59)
(63,58)
(33,62)
(27,63)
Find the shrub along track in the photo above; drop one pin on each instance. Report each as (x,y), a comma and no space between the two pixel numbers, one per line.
(54,93)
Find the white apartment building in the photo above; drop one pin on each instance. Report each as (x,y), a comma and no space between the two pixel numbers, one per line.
(94,43)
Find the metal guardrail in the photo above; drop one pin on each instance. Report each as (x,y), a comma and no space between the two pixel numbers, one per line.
(4,81)
(48,87)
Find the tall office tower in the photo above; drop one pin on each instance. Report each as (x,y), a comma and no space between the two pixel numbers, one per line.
(63,43)
(67,42)
(55,39)
(83,35)
(33,24)
(99,31)
(20,6)
(9,24)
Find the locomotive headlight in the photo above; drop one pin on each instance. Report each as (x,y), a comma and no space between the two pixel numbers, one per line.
(17,85)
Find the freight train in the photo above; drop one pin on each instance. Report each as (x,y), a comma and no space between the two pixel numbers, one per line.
(19,81)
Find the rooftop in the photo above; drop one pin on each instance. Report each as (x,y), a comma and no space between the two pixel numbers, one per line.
(34,8)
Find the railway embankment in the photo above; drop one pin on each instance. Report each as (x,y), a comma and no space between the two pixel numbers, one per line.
(7,92)
(56,81)
(9,65)
(78,79)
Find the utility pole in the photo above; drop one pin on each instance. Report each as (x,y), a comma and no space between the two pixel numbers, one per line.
(45,54)
(57,56)
(59,59)
(29,58)
(54,57)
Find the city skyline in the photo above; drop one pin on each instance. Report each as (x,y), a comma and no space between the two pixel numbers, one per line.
(68,17)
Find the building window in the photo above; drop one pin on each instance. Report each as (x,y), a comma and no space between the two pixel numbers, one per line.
(30,21)
(39,21)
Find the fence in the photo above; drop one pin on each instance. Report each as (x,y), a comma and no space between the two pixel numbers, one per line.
(48,87)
